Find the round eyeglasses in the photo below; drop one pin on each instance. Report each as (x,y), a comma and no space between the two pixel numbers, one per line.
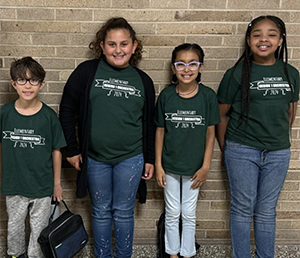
(193,66)
(32,81)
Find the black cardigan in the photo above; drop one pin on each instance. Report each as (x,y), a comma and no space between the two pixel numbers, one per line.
(74,108)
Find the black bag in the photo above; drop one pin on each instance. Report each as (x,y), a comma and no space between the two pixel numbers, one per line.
(161,236)
(64,237)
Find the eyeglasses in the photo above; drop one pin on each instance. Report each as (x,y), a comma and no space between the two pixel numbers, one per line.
(32,81)
(193,66)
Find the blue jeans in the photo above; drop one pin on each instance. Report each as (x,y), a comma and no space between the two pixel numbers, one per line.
(112,189)
(255,180)
(180,199)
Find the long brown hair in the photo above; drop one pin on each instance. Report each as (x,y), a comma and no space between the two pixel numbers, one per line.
(116,23)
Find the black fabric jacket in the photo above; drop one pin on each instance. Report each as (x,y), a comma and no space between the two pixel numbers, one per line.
(73,112)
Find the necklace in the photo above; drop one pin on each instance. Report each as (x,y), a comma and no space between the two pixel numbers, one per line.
(184,94)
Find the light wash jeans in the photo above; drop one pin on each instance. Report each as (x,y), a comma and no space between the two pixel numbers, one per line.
(180,199)
(112,189)
(255,179)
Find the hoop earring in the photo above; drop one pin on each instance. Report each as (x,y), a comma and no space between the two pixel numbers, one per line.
(174,78)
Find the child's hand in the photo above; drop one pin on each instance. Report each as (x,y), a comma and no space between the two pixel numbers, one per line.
(58,193)
(75,161)
(160,177)
(199,178)
(149,170)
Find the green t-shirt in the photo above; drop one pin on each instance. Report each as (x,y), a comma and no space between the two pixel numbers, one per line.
(270,97)
(116,111)
(27,143)
(185,121)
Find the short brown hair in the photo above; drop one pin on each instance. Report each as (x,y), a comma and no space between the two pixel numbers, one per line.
(19,68)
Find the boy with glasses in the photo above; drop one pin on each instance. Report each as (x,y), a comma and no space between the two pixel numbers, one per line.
(31,138)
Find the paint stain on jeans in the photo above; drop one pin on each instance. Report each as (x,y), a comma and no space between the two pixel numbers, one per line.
(127,242)
(104,242)
(98,196)
(135,178)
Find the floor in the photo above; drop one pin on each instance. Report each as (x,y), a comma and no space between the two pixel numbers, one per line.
(205,251)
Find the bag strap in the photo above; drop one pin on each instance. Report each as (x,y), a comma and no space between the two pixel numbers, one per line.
(56,204)
(65,205)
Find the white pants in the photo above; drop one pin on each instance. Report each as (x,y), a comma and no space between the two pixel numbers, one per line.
(180,200)
(17,208)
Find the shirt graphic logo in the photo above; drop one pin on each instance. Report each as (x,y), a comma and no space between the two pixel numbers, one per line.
(271,85)
(119,87)
(185,118)
(24,137)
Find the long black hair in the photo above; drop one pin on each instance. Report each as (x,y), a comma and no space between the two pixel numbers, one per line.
(281,53)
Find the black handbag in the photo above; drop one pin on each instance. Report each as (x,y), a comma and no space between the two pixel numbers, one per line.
(161,237)
(63,237)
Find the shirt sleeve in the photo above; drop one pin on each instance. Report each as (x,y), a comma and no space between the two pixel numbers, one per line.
(159,112)
(214,116)
(296,87)
(228,87)
(58,139)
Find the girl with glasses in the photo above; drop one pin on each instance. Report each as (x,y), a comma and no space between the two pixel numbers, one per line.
(186,114)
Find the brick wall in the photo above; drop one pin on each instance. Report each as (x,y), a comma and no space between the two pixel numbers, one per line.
(57,34)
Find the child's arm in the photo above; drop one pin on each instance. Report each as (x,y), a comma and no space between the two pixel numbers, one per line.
(292,112)
(160,175)
(58,191)
(221,127)
(200,176)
